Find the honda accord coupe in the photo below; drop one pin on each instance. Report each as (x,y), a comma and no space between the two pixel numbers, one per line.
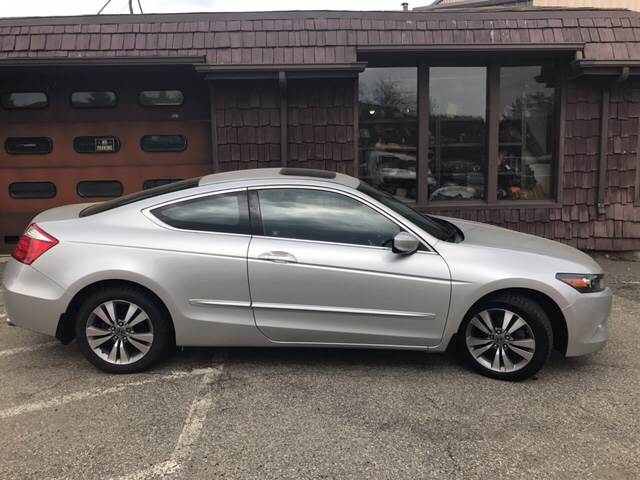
(294,257)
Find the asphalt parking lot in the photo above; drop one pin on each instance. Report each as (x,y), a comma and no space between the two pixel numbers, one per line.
(289,413)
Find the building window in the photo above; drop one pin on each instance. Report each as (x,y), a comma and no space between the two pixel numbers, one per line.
(107,144)
(457,133)
(388,126)
(28,145)
(158,182)
(99,188)
(223,213)
(470,135)
(104,99)
(29,190)
(20,100)
(163,143)
(526,160)
(161,98)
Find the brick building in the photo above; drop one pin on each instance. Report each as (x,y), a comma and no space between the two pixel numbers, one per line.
(526,118)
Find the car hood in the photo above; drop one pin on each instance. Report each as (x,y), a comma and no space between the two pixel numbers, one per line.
(490,236)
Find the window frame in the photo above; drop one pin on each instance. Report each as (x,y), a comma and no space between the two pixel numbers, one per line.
(256,217)
(49,142)
(92,107)
(148,212)
(46,96)
(99,181)
(492,131)
(54,191)
(171,105)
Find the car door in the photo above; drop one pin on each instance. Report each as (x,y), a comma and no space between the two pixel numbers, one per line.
(321,270)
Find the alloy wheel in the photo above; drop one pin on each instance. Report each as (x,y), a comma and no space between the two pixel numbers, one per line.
(119,332)
(500,340)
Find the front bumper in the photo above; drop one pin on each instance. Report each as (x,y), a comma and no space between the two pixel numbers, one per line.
(32,300)
(587,323)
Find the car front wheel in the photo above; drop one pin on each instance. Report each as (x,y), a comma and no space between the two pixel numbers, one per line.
(122,330)
(508,337)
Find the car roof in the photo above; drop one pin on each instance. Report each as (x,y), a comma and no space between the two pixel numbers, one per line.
(280,174)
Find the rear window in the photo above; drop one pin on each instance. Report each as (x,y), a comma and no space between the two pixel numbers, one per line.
(138,196)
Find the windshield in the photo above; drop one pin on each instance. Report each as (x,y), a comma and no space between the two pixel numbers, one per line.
(141,195)
(437,227)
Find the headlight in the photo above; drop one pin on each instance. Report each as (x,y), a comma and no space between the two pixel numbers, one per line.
(583,282)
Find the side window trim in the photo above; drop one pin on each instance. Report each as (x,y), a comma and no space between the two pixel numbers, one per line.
(147,211)
(253,193)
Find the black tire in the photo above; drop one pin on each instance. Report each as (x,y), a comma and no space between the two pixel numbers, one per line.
(532,314)
(158,317)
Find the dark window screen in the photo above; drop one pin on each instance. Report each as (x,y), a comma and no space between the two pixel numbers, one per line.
(106,144)
(161,98)
(26,190)
(225,213)
(28,145)
(99,188)
(94,99)
(19,100)
(323,216)
(163,143)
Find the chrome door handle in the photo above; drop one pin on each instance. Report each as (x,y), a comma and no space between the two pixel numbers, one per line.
(278,257)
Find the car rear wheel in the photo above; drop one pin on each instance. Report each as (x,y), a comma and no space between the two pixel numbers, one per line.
(122,330)
(508,337)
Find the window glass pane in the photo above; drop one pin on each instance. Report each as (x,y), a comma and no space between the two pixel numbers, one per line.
(100,188)
(163,143)
(25,100)
(161,98)
(526,164)
(24,190)
(388,106)
(28,145)
(226,213)
(93,99)
(322,216)
(96,144)
(457,133)
(157,182)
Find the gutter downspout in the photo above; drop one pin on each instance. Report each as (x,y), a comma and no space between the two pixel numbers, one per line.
(604,137)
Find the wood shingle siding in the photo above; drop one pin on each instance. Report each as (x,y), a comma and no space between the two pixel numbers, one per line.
(315,37)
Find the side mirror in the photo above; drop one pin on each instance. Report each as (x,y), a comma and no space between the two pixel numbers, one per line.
(405,244)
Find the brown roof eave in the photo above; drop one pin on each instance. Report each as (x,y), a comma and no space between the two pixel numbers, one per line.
(102,61)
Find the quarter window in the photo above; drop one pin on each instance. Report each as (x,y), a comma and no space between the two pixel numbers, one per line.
(163,143)
(323,216)
(104,99)
(28,190)
(19,100)
(223,213)
(28,145)
(161,98)
(107,144)
(99,188)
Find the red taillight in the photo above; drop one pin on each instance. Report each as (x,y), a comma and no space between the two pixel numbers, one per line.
(33,243)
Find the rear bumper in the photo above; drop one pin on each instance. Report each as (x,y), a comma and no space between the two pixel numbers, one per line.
(587,323)
(32,300)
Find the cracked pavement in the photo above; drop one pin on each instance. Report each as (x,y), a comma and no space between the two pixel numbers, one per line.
(313,413)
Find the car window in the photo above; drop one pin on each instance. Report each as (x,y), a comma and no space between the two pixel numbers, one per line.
(225,213)
(323,216)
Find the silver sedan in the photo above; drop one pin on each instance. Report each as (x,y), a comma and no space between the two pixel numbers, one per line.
(292,257)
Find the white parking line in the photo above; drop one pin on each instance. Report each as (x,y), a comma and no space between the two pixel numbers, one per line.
(29,348)
(191,431)
(97,392)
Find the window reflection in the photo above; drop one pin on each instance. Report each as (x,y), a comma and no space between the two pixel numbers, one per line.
(389,129)
(457,133)
(525,162)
